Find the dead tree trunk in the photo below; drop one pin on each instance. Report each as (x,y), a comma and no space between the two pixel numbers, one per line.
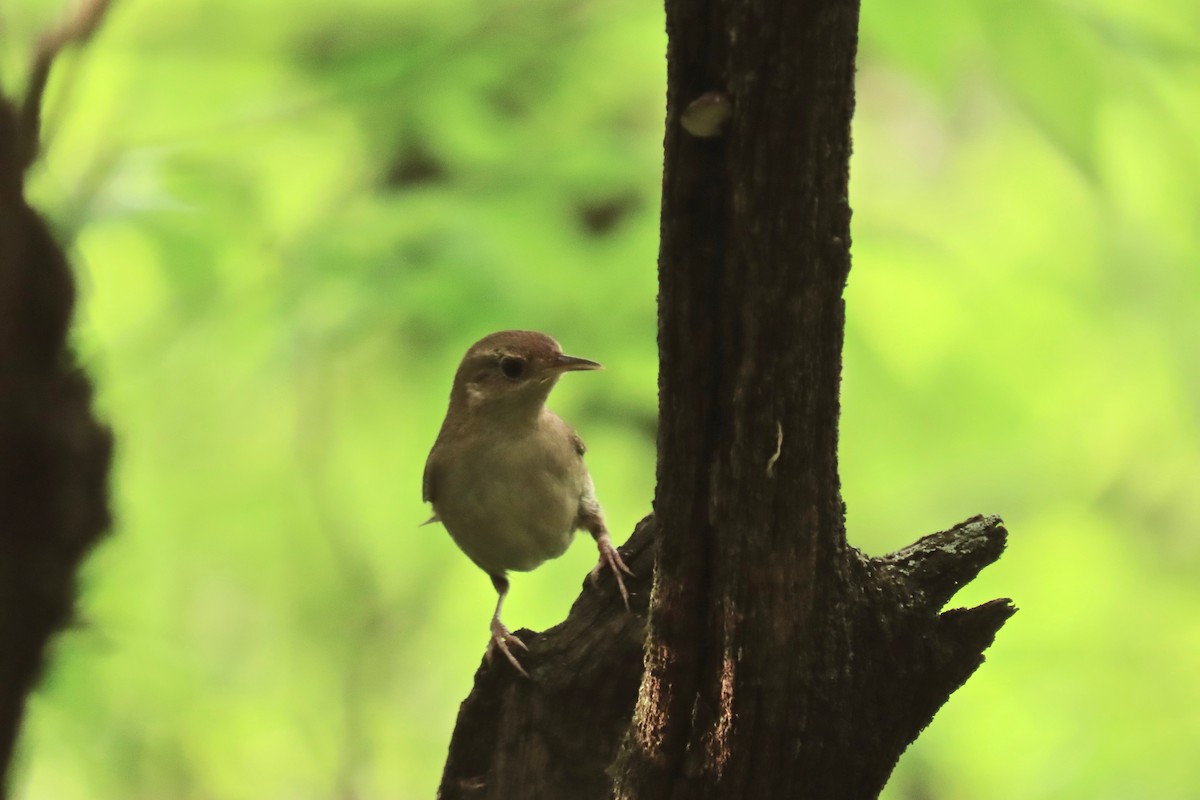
(54,455)
(776,660)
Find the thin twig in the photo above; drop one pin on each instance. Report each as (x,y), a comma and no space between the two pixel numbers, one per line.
(75,29)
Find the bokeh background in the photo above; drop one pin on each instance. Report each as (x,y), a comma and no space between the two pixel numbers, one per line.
(290,219)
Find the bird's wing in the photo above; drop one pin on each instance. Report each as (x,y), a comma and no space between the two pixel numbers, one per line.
(429,480)
(429,485)
(580,447)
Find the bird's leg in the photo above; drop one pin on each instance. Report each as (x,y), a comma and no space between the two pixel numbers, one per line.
(501,636)
(611,557)
(591,518)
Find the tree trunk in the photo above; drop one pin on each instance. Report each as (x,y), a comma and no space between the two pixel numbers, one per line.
(54,455)
(777,661)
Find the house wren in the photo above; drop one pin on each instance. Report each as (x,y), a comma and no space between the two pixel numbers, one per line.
(506,475)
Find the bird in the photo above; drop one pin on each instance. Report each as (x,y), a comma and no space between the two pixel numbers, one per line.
(506,476)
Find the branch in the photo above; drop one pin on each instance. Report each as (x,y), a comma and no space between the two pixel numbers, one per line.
(945,648)
(75,29)
(935,567)
(974,629)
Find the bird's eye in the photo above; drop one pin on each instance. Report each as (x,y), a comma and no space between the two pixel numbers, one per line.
(512,368)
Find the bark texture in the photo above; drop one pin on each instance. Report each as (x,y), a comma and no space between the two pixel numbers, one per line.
(54,454)
(776,660)
(556,735)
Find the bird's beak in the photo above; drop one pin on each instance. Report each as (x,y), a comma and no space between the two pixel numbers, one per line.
(571,363)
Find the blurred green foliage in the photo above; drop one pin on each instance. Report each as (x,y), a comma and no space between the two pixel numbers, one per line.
(290,219)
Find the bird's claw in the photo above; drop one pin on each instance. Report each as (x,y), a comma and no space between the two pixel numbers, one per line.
(501,637)
(610,557)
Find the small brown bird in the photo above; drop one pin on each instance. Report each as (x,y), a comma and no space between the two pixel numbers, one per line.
(506,475)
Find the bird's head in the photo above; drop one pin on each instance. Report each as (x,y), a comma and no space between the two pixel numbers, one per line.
(512,371)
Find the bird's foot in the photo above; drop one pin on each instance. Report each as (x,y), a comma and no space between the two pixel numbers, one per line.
(502,637)
(610,557)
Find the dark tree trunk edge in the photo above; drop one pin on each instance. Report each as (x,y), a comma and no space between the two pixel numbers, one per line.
(54,453)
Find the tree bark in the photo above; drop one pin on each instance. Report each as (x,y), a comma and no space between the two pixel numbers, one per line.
(54,455)
(776,661)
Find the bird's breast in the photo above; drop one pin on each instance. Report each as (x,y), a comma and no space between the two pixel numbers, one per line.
(510,502)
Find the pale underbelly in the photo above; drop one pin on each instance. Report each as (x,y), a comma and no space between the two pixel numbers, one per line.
(512,525)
